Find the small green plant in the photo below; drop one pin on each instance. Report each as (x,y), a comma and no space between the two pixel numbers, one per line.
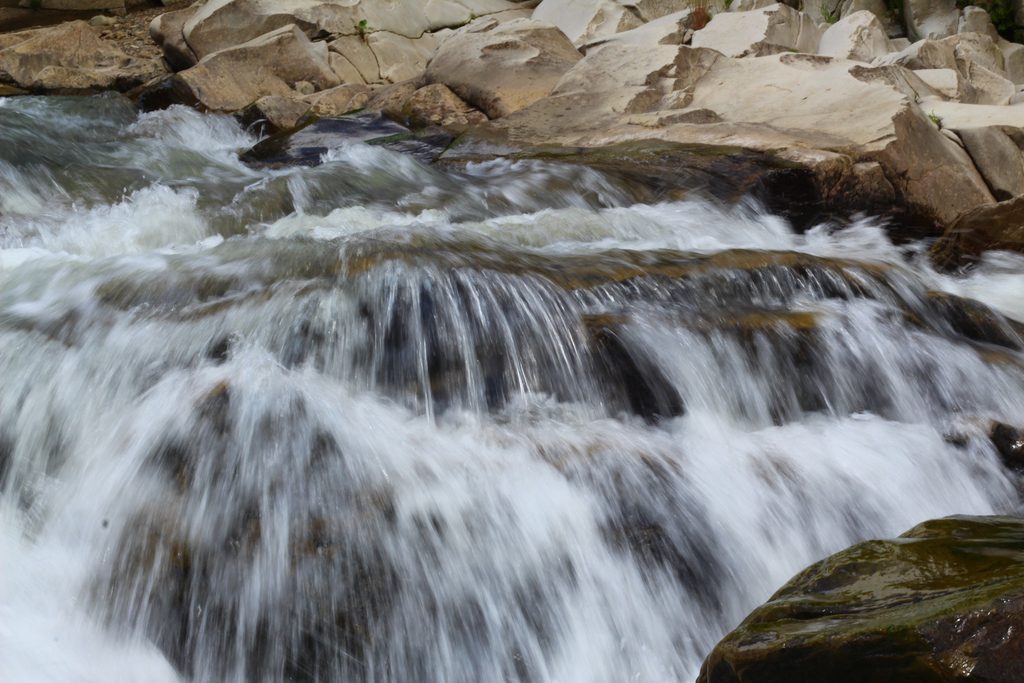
(363,29)
(727,4)
(936,119)
(830,15)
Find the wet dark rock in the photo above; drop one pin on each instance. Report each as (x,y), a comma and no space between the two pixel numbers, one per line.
(305,145)
(1009,443)
(993,226)
(630,377)
(976,321)
(942,603)
(200,591)
(162,93)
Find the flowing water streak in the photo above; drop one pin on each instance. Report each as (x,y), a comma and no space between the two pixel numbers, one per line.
(378,421)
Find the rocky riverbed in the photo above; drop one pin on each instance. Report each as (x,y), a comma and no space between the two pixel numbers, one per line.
(481,340)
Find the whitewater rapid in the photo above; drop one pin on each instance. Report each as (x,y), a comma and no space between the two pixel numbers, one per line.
(380,420)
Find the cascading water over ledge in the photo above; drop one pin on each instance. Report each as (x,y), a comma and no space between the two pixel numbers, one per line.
(377,420)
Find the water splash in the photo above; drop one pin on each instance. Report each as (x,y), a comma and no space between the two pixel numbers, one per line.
(376,420)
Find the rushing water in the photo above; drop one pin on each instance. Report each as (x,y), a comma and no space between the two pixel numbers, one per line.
(376,420)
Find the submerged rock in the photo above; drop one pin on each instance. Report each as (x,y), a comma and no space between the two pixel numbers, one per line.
(996,227)
(942,603)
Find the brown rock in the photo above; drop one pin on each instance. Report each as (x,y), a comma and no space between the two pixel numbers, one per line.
(166,31)
(995,226)
(390,100)
(339,100)
(502,68)
(274,113)
(437,105)
(234,78)
(998,158)
(69,58)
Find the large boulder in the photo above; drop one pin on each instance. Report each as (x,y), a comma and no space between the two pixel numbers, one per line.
(167,31)
(827,115)
(994,227)
(931,18)
(500,68)
(998,157)
(859,36)
(976,20)
(942,603)
(770,30)
(339,100)
(271,64)
(69,58)
(585,21)
(437,105)
(924,54)
(223,23)
(671,29)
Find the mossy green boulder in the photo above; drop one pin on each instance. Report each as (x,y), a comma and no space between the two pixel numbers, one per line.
(943,602)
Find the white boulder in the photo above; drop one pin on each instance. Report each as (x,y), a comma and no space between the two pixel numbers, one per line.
(770,30)
(859,36)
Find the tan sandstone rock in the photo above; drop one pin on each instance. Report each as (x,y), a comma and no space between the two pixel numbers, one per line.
(224,23)
(859,36)
(339,100)
(275,113)
(166,31)
(501,68)
(819,110)
(437,105)
(999,159)
(69,58)
(770,30)
(271,64)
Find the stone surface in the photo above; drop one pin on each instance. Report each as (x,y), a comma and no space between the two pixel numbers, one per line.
(946,82)
(998,158)
(859,36)
(587,21)
(944,598)
(69,58)
(924,54)
(339,100)
(671,29)
(770,30)
(993,227)
(166,31)
(274,113)
(271,64)
(984,86)
(501,68)
(390,100)
(825,114)
(930,18)
(977,48)
(958,115)
(400,58)
(225,23)
(437,105)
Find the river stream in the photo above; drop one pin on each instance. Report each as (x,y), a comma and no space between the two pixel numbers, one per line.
(380,420)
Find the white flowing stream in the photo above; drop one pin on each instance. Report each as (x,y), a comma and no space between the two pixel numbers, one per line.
(377,420)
